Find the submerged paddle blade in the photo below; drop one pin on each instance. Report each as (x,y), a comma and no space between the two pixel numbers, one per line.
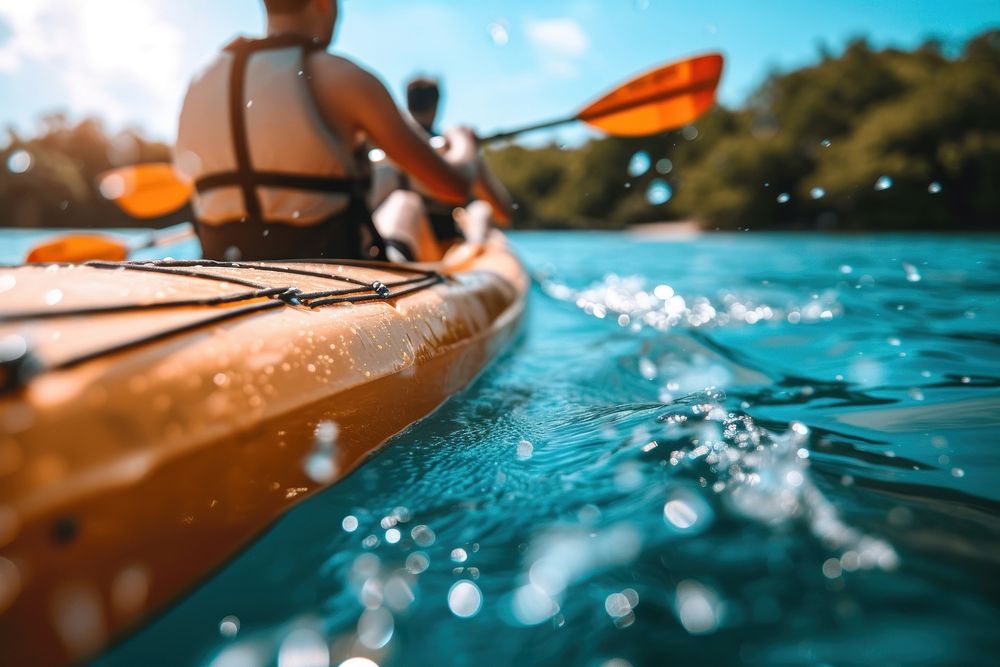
(146,190)
(662,99)
(80,248)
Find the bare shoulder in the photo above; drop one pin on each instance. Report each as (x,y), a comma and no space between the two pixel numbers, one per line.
(333,70)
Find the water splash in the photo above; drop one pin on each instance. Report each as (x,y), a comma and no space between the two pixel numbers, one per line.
(627,300)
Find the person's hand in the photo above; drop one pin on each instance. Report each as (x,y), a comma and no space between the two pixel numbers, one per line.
(461,150)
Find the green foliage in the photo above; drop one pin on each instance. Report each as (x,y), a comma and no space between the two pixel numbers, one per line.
(916,118)
(60,186)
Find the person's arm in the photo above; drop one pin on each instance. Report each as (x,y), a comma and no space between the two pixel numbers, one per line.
(348,94)
(463,152)
(489,188)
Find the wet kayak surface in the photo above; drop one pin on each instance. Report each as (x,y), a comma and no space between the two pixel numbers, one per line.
(735,449)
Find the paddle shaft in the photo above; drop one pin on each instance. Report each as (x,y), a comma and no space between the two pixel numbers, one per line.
(509,134)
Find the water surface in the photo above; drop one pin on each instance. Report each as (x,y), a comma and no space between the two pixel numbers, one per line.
(739,449)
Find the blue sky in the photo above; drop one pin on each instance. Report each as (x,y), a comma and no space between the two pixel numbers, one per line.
(505,62)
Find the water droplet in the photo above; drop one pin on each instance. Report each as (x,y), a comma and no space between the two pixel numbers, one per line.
(358,662)
(53,296)
(883,183)
(663,292)
(679,514)
(465,599)
(659,192)
(499,33)
(617,605)
(784,198)
(912,274)
(696,608)
(831,568)
(10,583)
(232,254)
(321,464)
(350,523)
(375,628)
(249,104)
(689,132)
(229,627)
(638,164)
(19,161)
(664,166)
(392,536)
(934,188)
(417,562)
(825,143)
(817,193)
(376,155)
(525,450)
(957,472)
(304,647)
(423,535)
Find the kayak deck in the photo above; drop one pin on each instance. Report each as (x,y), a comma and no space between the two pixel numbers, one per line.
(152,441)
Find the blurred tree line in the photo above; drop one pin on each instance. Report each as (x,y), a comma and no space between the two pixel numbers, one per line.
(866,140)
(52,180)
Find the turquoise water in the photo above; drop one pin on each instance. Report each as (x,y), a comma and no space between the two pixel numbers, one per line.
(739,449)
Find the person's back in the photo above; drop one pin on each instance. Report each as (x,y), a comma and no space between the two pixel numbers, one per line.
(270,133)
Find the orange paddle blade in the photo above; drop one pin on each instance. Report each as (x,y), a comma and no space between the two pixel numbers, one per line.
(146,190)
(664,98)
(80,248)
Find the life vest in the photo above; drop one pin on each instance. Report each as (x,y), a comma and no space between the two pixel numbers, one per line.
(271,179)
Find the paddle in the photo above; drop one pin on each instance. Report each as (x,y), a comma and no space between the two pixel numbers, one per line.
(84,247)
(661,99)
(664,98)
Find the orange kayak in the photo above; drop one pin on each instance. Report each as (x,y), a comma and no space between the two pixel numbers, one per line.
(156,417)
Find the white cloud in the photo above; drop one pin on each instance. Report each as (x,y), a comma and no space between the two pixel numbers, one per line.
(121,59)
(560,38)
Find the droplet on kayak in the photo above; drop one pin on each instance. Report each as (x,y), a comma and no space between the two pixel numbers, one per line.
(459,555)
(10,583)
(639,164)
(350,523)
(129,590)
(321,464)
(465,599)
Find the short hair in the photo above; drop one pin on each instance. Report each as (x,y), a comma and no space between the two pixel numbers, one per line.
(422,93)
(285,6)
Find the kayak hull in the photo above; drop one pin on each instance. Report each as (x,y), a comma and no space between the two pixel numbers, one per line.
(129,491)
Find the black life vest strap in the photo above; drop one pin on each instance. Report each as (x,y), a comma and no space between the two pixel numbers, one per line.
(275,179)
(245,177)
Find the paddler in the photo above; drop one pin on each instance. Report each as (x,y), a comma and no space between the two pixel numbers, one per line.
(459,147)
(273,134)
